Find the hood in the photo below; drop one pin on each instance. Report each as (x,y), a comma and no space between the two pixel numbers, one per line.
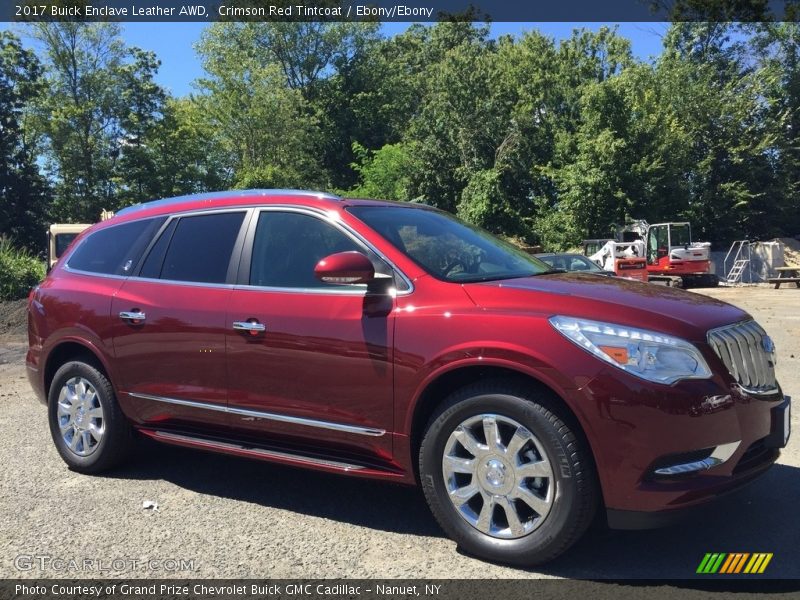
(645,305)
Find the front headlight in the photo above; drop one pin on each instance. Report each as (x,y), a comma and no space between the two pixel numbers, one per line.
(647,354)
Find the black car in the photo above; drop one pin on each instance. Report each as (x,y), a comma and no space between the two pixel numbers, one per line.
(573,262)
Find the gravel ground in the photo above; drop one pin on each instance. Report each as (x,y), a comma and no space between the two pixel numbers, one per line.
(237,518)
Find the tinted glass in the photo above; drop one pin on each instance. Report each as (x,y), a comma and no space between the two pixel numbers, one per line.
(155,258)
(201,247)
(581,263)
(288,246)
(447,248)
(115,250)
(63,240)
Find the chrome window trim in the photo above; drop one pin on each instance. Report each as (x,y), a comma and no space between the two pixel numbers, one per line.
(257,414)
(228,286)
(346,230)
(66,267)
(311,211)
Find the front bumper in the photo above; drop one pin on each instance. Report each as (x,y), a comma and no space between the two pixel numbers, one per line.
(638,431)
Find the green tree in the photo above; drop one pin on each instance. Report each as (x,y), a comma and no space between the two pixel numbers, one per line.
(384,173)
(79,114)
(263,126)
(23,193)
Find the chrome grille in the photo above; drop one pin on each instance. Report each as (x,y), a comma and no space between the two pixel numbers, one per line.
(747,352)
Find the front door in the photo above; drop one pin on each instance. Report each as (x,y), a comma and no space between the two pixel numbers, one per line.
(308,362)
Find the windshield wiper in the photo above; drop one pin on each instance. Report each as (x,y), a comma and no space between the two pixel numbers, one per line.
(503,277)
(550,272)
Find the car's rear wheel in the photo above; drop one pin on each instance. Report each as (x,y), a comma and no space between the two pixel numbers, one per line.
(505,475)
(89,430)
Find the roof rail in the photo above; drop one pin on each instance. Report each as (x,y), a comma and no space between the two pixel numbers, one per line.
(225,194)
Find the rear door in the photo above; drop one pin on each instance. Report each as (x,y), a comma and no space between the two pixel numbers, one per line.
(169,322)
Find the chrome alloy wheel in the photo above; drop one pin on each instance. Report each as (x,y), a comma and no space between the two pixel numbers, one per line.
(80,416)
(498,476)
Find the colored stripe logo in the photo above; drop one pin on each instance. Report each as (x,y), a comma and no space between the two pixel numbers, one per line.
(734,563)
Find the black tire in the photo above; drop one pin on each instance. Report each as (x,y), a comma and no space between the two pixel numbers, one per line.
(117,439)
(576,490)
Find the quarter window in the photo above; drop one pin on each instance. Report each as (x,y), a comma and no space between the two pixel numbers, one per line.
(201,248)
(114,250)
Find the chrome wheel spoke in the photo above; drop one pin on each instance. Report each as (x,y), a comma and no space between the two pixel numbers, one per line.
(95,413)
(468,441)
(73,442)
(539,468)
(97,434)
(461,496)
(514,523)
(484,522)
(456,464)
(539,505)
(521,437)
(492,432)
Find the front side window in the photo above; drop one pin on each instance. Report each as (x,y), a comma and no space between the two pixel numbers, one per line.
(448,248)
(200,249)
(288,245)
(114,250)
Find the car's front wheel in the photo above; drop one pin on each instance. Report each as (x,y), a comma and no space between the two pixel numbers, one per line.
(506,476)
(89,430)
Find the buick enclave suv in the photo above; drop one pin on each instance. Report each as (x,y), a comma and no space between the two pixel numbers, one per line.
(392,341)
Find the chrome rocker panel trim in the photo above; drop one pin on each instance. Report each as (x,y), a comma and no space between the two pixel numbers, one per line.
(257,414)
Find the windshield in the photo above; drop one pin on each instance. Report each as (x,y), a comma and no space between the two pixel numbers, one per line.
(448,248)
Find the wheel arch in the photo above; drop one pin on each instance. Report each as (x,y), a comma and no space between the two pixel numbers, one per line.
(68,350)
(438,388)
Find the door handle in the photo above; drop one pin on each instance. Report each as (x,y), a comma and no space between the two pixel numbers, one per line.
(134,316)
(249,326)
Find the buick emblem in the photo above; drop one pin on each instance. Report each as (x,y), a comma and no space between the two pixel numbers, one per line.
(767,344)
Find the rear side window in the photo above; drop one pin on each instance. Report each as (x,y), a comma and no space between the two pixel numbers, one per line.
(115,250)
(155,258)
(201,247)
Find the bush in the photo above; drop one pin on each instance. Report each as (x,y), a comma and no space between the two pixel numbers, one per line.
(19,271)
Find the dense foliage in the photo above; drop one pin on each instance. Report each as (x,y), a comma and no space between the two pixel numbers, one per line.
(19,271)
(548,142)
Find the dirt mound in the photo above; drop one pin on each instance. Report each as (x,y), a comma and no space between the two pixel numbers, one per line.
(13,319)
(791,251)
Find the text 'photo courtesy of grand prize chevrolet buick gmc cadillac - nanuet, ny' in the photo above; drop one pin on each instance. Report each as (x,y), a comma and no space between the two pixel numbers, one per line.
(392,341)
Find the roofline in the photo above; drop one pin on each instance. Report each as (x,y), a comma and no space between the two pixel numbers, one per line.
(223,195)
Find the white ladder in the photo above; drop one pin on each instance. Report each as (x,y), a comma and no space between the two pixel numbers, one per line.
(735,274)
(740,249)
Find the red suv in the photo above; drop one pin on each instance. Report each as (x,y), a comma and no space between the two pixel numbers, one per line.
(392,341)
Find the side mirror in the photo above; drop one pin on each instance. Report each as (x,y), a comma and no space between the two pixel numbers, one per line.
(345,267)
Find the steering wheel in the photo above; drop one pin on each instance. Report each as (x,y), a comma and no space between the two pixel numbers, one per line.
(457,262)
